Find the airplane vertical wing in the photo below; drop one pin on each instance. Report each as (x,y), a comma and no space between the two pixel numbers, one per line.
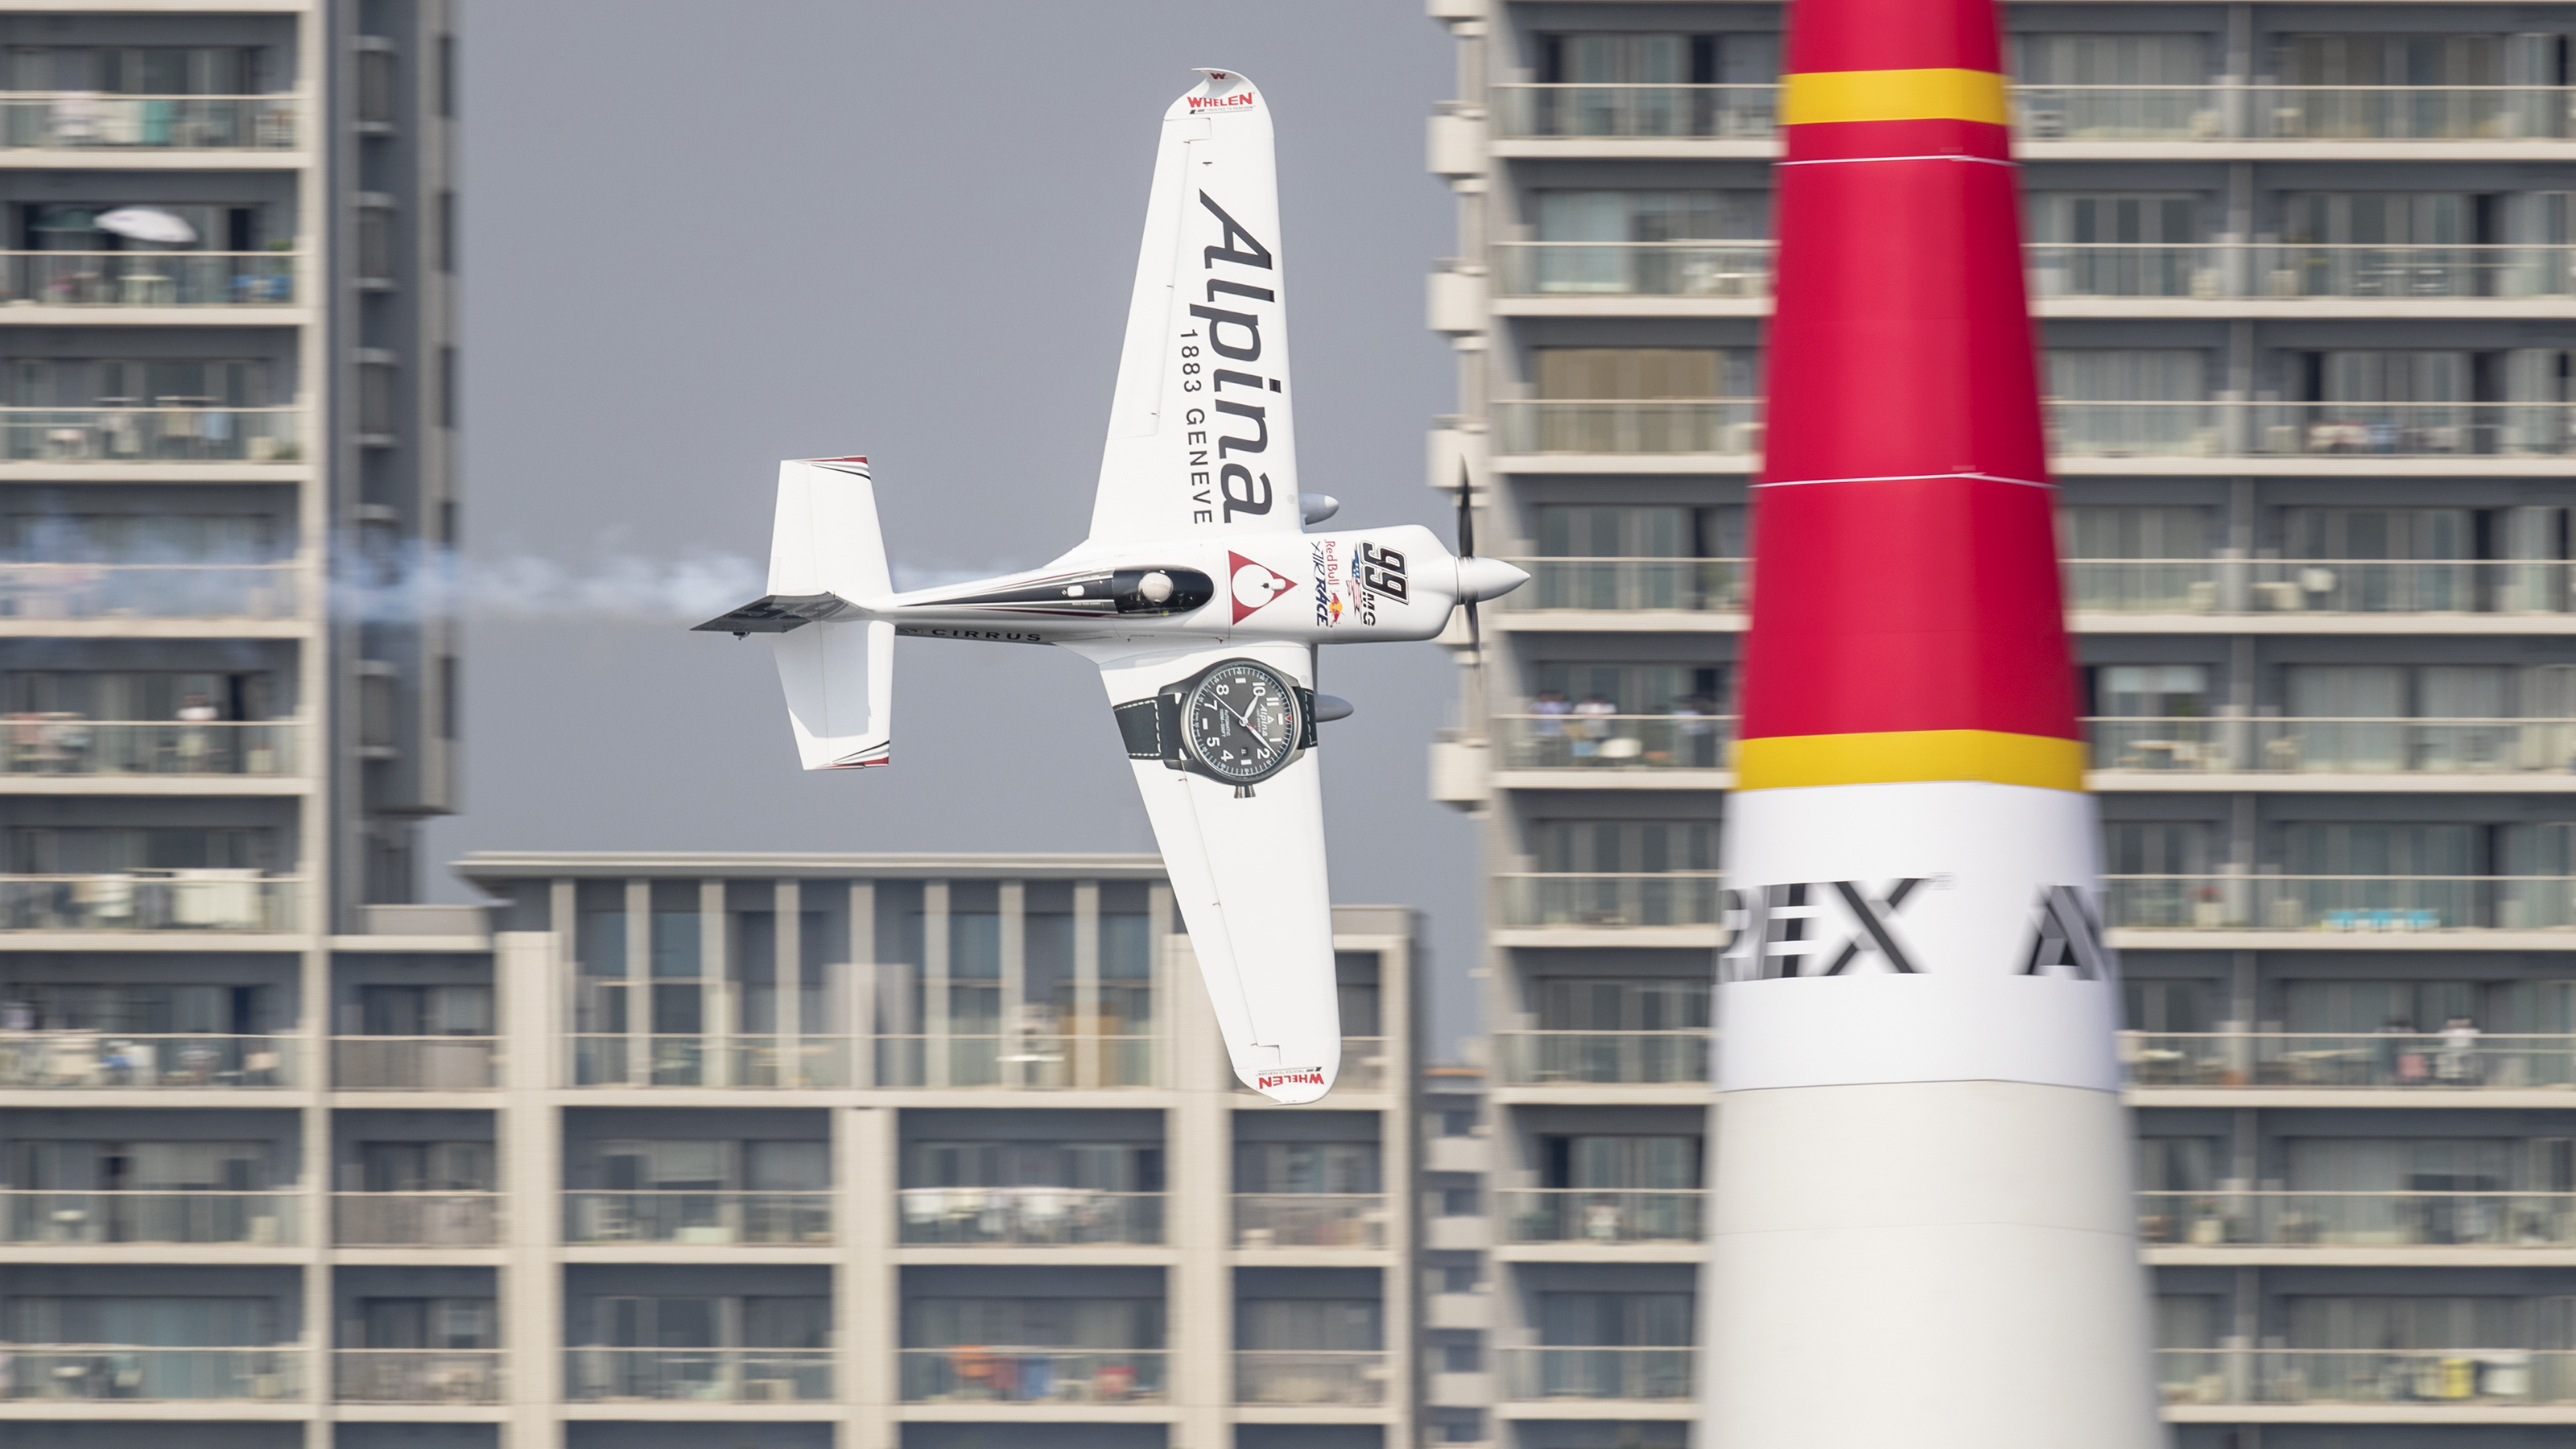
(1248,875)
(1200,434)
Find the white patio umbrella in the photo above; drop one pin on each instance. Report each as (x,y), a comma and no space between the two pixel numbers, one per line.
(142,223)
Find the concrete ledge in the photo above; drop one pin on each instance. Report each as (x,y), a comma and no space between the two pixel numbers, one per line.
(2137,939)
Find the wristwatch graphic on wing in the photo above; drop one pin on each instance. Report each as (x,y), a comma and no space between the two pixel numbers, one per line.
(1199,595)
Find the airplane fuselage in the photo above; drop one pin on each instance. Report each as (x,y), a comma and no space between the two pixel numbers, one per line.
(1366,586)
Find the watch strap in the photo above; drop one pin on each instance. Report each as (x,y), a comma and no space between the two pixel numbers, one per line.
(1306,717)
(1140,724)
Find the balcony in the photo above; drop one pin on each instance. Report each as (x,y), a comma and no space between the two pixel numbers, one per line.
(416,1375)
(68,747)
(107,280)
(705,1375)
(2318,586)
(2391,746)
(89,121)
(1639,1375)
(2343,430)
(140,1373)
(2358,1219)
(1309,1376)
(1614,742)
(2463,1378)
(1602,1058)
(1632,585)
(115,1061)
(415,1063)
(2053,113)
(1590,269)
(1309,1220)
(1031,1376)
(1602,1215)
(51,591)
(1588,901)
(1708,112)
(704,1218)
(621,1060)
(1051,1063)
(177,434)
(416,1219)
(2346,904)
(2375,1061)
(1669,426)
(252,1219)
(179,900)
(1028,1217)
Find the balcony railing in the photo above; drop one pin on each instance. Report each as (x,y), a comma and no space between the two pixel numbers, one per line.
(2075,113)
(2204,429)
(1363,1066)
(721,1375)
(1598,1373)
(1028,1217)
(2362,1060)
(988,1375)
(32,744)
(1040,1062)
(1608,902)
(146,279)
(2318,586)
(602,1060)
(1633,269)
(1309,1220)
(1664,112)
(414,1063)
(148,591)
(1645,585)
(2360,903)
(1614,741)
(74,1060)
(2335,746)
(87,120)
(1592,1058)
(1602,1215)
(2359,1219)
(142,1373)
(1309,1376)
(698,1217)
(262,1219)
(2465,1377)
(415,1219)
(176,434)
(199,900)
(416,1375)
(1653,425)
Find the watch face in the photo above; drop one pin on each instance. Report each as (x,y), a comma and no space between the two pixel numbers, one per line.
(1242,721)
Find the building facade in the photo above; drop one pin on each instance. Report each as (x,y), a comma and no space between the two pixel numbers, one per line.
(2303,282)
(787,1152)
(227,371)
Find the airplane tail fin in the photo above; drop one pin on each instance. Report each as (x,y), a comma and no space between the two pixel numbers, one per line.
(826,556)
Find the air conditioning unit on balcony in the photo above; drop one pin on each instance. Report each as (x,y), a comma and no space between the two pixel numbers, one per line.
(2279,597)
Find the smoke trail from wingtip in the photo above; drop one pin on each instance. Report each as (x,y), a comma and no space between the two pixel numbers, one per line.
(428,582)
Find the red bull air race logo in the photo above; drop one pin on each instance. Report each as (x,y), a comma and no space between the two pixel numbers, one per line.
(1341,590)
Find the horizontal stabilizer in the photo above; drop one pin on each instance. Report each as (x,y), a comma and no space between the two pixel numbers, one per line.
(777,613)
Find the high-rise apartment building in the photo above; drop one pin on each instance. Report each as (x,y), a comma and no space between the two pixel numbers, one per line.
(227,416)
(2303,279)
(671,1151)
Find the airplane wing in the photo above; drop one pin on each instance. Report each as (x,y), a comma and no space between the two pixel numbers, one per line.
(1248,874)
(1200,438)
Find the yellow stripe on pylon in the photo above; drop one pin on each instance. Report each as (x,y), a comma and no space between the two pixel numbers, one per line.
(1903,756)
(1893,95)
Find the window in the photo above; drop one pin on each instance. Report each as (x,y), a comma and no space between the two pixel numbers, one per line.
(2152,691)
(2109,60)
(1302,1167)
(2125,401)
(1618,847)
(1612,1320)
(2155,847)
(120,850)
(1609,373)
(1095,1323)
(375,228)
(1607,1161)
(426,1167)
(1584,1003)
(2135,532)
(375,72)
(447,76)
(1313,1324)
(376,399)
(2119,245)
(1082,1166)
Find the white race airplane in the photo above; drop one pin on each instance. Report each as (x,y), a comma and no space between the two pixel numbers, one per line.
(1198,594)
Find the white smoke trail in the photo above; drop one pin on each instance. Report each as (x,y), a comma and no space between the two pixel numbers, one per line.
(523,587)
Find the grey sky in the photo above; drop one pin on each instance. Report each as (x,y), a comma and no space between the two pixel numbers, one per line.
(700,237)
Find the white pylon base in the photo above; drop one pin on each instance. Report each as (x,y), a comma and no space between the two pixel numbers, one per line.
(1937,1265)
